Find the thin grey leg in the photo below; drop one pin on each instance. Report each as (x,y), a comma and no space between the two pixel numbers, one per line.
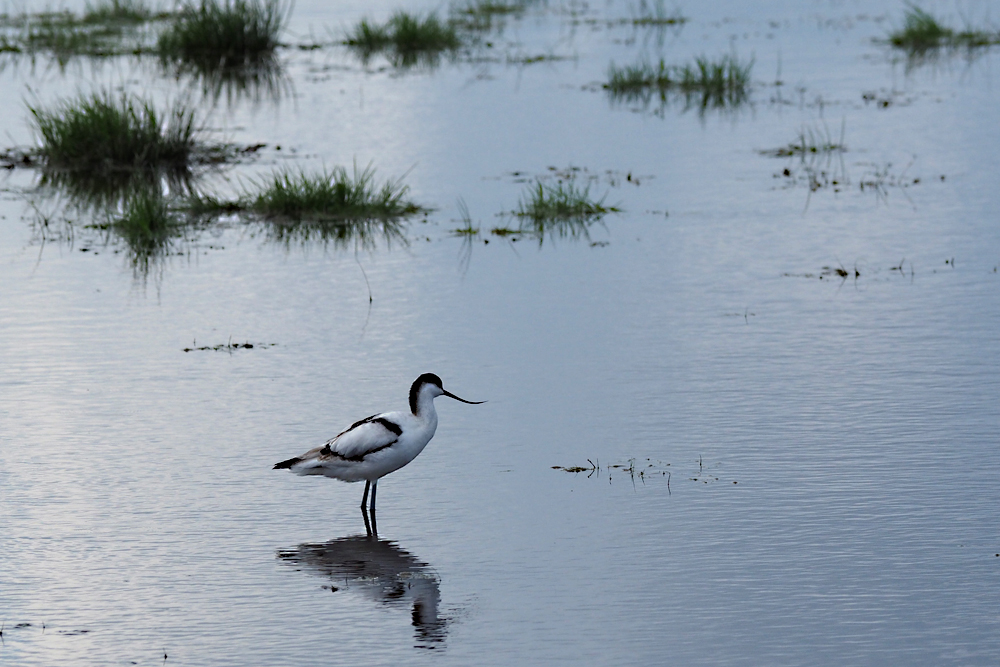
(364,499)
(374,486)
(368,525)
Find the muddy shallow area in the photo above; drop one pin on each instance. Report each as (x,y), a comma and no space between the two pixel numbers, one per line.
(777,370)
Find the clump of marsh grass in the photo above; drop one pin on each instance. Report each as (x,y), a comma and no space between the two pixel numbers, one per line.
(223,33)
(922,33)
(543,202)
(405,38)
(101,133)
(714,83)
(724,77)
(331,194)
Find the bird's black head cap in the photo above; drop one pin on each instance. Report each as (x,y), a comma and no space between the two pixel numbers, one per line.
(426,378)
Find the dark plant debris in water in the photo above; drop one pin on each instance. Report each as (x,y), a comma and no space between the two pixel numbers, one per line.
(228,346)
(839,273)
(810,141)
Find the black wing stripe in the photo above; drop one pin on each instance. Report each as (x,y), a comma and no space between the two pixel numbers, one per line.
(326,451)
(392,426)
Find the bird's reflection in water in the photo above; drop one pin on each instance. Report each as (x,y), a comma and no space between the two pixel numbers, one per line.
(381,570)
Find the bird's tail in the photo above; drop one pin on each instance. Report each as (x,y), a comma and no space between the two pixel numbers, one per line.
(286,464)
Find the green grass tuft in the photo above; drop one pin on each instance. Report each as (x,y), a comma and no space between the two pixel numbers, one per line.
(721,83)
(329,195)
(223,33)
(921,33)
(562,201)
(103,133)
(405,38)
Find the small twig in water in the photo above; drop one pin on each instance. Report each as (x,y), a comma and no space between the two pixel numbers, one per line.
(366,277)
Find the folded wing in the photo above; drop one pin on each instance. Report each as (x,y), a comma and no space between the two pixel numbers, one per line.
(364,437)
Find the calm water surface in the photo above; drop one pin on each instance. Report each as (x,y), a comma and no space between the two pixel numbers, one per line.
(819,455)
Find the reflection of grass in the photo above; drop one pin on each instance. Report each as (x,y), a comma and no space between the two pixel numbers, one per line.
(147,226)
(363,233)
(223,33)
(102,133)
(921,32)
(95,190)
(405,38)
(264,78)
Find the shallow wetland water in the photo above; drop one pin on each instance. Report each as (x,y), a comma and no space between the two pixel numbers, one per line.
(789,388)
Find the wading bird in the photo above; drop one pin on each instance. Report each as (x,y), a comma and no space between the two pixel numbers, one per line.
(377,445)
